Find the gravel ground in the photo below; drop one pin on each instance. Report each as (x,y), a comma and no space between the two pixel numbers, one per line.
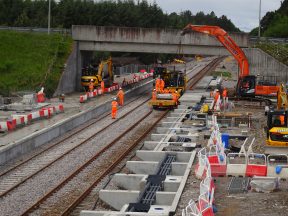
(46,157)
(90,173)
(40,184)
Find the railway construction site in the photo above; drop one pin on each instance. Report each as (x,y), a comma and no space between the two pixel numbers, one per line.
(146,161)
(193,144)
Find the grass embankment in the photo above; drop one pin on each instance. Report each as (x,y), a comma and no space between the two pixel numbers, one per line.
(278,51)
(222,73)
(29,61)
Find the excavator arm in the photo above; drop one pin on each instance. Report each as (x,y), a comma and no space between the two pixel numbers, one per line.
(227,42)
(100,73)
(282,99)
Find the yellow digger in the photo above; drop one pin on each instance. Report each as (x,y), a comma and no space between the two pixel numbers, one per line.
(277,128)
(107,75)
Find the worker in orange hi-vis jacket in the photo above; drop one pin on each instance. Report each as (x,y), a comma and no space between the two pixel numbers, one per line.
(102,86)
(224,95)
(216,97)
(175,97)
(157,84)
(114,107)
(162,85)
(91,85)
(154,95)
(120,95)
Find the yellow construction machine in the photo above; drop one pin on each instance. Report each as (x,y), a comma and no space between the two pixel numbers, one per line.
(175,80)
(105,74)
(277,128)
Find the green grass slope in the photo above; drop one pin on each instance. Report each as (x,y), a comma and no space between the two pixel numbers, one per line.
(31,60)
(278,51)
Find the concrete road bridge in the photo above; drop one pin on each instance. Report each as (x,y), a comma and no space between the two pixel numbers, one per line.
(151,40)
(148,40)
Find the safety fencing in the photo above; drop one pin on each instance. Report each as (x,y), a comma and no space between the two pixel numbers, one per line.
(204,206)
(213,162)
(98,91)
(246,163)
(18,121)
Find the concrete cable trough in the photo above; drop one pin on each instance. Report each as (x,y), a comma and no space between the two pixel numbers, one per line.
(173,138)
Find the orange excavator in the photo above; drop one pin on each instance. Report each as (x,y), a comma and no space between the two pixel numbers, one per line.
(247,85)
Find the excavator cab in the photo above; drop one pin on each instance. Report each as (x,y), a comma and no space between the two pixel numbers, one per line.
(277,132)
(246,86)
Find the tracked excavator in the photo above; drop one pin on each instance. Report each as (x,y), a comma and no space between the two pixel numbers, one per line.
(247,85)
(107,75)
(277,128)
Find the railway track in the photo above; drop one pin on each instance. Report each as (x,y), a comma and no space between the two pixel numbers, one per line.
(192,81)
(63,195)
(17,175)
(63,198)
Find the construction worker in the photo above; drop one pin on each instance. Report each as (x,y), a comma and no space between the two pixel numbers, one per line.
(114,106)
(162,85)
(282,120)
(124,83)
(157,84)
(216,98)
(175,97)
(120,95)
(154,95)
(224,95)
(102,86)
(91,85)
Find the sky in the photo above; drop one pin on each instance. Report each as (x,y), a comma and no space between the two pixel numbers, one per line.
(243,13)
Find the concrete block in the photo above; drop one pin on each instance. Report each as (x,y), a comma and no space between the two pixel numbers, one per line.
(162,130)
(178,168)
(159,210)
(159,155)
(171,183)
(157,137)
(111,197)
(150,145)
(129,181)
(142,167)
(164,198)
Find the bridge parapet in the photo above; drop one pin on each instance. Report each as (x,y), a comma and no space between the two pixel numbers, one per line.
(149,36)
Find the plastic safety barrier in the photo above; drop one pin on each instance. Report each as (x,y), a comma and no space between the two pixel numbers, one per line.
(236,164)
(277,166)
(256,165)
(18,121)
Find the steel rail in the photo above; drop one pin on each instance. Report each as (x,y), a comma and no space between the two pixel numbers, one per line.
(60,141)
(73,205)
(67,152)
(198,76)
(96,156)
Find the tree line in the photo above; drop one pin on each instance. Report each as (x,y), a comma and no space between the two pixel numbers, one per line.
(129,13)
(274,23)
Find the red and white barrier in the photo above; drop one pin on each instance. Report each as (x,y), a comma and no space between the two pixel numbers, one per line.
(21,120)
(83,98)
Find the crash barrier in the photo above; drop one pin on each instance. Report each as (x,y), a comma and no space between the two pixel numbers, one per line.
(244,163)
(204,206)
(18,121)
(98,91)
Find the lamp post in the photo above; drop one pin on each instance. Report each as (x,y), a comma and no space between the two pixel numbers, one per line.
(49,16)
(259,31)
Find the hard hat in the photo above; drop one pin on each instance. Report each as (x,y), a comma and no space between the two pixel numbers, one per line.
(154,89)
(114,98)
(91,80)
(120,88)
(216,89)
